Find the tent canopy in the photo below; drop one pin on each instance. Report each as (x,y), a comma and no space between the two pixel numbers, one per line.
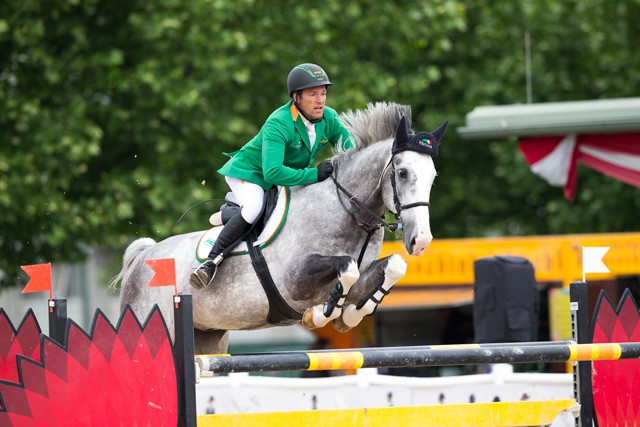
(553,118)
(555,137)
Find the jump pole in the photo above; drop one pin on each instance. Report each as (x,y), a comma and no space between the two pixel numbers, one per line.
(470,354)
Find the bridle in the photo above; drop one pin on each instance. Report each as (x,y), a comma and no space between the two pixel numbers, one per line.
(396,199)
(366,218)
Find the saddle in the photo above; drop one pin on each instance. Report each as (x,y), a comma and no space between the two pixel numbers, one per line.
(263,231)
(268,225)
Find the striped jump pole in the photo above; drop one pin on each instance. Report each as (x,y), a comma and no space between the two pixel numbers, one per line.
(398,348)
(469,354)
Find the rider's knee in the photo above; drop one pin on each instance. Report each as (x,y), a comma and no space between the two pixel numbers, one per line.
(251,211)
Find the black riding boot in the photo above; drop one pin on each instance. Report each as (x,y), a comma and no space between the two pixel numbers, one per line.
(233,231)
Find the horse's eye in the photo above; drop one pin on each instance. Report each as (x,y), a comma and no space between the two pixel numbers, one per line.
(402,173)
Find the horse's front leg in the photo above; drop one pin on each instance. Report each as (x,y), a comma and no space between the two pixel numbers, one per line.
(320,268)
(365,296)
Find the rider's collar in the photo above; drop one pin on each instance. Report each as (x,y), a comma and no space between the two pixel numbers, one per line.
(294,105)
(306,121)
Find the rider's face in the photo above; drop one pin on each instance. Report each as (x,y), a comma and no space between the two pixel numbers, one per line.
(311,101)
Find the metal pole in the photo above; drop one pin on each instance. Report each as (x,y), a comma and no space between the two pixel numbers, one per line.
(527,55)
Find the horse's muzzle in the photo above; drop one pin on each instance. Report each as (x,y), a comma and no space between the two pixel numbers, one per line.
(419,243)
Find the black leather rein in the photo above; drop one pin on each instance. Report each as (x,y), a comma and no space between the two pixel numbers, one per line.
(366,218)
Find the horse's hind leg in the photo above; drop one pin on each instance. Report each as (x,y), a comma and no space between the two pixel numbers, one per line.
(212,341)
(368,292)
(346,270)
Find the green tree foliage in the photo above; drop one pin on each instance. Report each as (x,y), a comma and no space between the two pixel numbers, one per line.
(114,115)
(575,56)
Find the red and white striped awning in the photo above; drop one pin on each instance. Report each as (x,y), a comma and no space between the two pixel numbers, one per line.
(556,158)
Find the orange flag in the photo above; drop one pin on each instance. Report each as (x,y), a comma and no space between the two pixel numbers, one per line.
(40,275)
(165,270)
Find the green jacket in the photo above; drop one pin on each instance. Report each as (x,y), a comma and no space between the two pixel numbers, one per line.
(280,153)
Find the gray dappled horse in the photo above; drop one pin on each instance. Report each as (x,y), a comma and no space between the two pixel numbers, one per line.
(327,226)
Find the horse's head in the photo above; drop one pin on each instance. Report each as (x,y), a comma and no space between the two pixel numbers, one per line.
(408,190)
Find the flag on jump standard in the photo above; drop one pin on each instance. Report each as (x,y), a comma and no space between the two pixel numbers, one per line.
(592,260)
(40,275)
(165,273)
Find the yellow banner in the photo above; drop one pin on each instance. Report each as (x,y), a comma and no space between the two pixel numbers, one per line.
(555,258)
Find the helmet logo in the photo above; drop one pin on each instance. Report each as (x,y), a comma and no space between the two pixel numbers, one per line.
(318,74)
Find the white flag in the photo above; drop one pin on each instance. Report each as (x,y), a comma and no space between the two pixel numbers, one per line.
(592,260)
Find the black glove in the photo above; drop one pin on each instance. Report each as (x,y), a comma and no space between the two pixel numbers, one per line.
(325,169)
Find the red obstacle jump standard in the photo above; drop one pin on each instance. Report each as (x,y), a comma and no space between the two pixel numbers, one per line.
(58,319)
(582,389)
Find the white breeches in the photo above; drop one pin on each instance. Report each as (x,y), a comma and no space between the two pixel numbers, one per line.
(250,196)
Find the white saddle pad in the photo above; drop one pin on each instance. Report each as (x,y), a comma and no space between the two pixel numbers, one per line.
(268,234)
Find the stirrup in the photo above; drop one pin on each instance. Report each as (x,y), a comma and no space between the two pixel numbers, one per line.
(201,277)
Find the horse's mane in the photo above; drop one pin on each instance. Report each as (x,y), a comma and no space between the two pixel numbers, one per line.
(378,122)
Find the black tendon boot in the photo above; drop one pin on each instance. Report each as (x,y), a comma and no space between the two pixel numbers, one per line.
(233,231)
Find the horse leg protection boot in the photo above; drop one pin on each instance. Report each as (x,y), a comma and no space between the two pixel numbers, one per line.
(231,234)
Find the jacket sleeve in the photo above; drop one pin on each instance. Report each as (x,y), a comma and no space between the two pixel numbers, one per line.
(274,142)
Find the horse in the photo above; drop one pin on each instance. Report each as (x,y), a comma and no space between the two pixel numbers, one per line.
(333,232)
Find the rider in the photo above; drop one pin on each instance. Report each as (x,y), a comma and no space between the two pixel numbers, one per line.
(280,154)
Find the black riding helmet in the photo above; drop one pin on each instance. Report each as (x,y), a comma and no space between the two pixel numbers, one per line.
(305,76)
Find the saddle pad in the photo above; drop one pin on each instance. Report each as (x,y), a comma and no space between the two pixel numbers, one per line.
(270,231)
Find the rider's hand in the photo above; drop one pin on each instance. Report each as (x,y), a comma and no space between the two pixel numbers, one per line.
(325,169)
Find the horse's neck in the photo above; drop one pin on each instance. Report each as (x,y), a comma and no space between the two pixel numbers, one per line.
(360,173)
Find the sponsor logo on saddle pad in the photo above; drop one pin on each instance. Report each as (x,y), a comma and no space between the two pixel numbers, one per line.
(268,234)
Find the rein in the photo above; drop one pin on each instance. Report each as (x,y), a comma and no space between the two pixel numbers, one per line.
(374,221)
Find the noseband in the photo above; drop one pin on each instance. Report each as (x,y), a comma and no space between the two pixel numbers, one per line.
(367,219)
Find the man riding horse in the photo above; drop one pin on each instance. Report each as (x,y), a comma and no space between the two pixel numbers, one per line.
(280,154)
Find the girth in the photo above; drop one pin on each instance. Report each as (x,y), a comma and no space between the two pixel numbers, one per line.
(280,313)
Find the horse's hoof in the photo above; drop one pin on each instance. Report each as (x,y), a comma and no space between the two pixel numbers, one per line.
(307,320)
(340,326)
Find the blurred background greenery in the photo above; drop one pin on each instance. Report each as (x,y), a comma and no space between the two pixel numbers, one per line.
(114,114)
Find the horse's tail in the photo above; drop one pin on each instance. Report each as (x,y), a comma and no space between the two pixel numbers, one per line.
(130,254)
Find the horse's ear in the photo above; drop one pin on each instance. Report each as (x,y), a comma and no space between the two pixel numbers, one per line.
(402,134)
(439,133)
